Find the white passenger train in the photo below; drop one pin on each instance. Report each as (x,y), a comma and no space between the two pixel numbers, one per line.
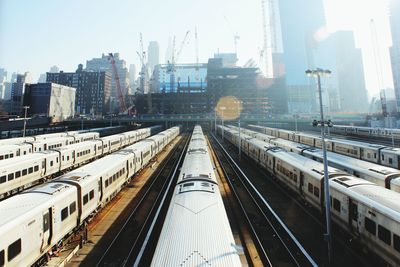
(36,222)
(196,231)
(379,154)
(17,174)
(381,175)
(366,131)
(369,212)
(15,150)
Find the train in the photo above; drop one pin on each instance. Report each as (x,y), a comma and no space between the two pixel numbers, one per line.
(17,174)
(196,229)
(380,154)
(370,213)
(34,224)
(381,175)
(366,131)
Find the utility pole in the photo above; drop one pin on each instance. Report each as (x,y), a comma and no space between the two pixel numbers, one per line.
(318,73)
(26,109)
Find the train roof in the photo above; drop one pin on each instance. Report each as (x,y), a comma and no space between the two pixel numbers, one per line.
(357,143)
(379,198)
(352,162)
(28,157)
(22,204)
(305,164)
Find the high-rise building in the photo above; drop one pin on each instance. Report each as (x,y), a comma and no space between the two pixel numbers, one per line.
(395,49)
(104,64)
(53,100)
(301,23)
(3,80)
(17,92)
(54,69)
(153,54)
(132,77)
(350,73)
(92,89)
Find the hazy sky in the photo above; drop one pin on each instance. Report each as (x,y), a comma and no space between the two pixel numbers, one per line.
(36,34)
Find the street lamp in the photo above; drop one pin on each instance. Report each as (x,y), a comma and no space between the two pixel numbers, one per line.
(222,121)
(26,109)
(239,103)
(318,73)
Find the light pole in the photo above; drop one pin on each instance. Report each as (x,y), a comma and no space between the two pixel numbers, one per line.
(318,73)
(240,142)
(26,109)
(222,121)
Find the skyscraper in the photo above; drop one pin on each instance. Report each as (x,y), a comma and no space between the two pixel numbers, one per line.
(3,80)
(350,73)
(153,54)
(104,64)
(395,49)
(132,77)
(17,92)
(301,23)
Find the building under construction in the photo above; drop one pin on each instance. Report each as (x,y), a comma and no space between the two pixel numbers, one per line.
(258,95)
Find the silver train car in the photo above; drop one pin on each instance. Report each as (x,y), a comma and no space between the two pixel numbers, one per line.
(196,230)
(380,154)
(366,131)
(381,175)
(35,223)
(17,174)
(367,211)
(15,150)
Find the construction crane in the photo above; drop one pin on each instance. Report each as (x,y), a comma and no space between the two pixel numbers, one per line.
(197,76)
(268,33)
(171,69)
(122,106)
(377,58)
(143,69)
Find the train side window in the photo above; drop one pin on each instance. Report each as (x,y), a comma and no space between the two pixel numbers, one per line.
(384,235)
(51,163)
(2,260)
(1,157)
(354,212)
(6,156)
(17,174)
(14,249)
(106,182)
(396,242)
(2,179)
(85,199)
(390,161)
(24,172)
(11,155)
(72,207)
(64,213)
(25,152)
(336,204)
(91,194)
(310,188)
(30,170)
(316,191)
(11,176)
(36,168)
(46,222)
(370,225)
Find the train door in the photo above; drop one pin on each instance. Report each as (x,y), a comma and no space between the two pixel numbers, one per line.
(47,229)
(101,188)
(353,216)
(301,183)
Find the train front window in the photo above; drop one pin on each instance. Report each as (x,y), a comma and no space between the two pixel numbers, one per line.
(396,242)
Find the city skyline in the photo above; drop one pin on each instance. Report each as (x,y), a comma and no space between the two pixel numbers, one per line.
(73,32)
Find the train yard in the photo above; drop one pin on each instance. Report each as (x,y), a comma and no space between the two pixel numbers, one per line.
(187,198)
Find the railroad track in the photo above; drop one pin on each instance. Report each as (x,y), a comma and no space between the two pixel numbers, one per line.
(276,244)
(127,245)
(306,223)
